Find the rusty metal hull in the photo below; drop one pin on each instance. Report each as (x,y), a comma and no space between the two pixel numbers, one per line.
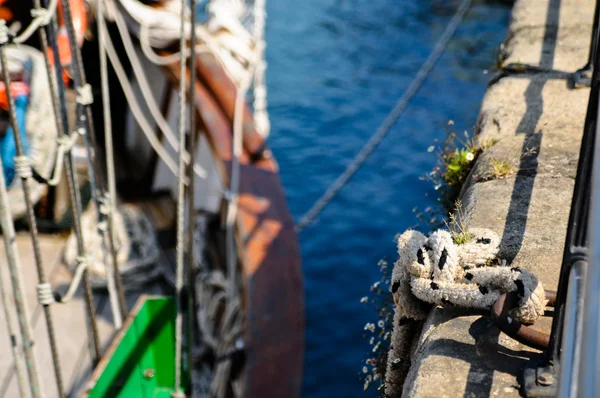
(269,250)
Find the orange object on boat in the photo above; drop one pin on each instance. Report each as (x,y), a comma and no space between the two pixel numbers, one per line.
(17,88)
(79,15)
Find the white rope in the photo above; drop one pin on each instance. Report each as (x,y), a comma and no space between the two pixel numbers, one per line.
(41,17)
(163,60)
(435,270)
(23,167)
(85,95)
(138,114)
(107,204)
(83,263)
(45,294)
(4,32)
(261,116)
(65,144)
(362,156)
(147,92)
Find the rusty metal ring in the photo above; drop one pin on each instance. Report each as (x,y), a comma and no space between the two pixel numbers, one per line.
(513,328)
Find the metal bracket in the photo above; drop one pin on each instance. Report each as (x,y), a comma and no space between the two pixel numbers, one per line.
(540,379)
(583,77)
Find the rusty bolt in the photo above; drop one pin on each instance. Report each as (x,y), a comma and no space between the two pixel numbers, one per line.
(545,379)
(149,373)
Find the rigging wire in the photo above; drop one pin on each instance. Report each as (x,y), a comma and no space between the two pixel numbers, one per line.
(383,130)
(178,393)
(23,169)
(85,125)
(190,258)
(110,159)
(74,194)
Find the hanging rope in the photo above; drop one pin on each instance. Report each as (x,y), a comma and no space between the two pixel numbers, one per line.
(108,206)
(362,156)
(41,17)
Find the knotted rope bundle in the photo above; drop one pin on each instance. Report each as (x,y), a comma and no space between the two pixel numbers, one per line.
(435,270)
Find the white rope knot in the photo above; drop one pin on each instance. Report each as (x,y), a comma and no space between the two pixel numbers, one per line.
(83,263)
(85,95)
(435,270)
(65,144)
(438,271)
(4,32)
(45,294)
(103,226)
(23,167)
(105,207)
(42,15)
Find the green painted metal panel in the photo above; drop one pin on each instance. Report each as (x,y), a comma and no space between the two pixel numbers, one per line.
(143,364)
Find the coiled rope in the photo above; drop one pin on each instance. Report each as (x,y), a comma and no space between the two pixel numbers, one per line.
(383,130)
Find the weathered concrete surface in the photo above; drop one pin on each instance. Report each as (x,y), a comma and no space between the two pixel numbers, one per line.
(533,123)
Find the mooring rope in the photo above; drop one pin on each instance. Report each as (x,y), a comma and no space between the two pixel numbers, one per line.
(383,130)
(435,270)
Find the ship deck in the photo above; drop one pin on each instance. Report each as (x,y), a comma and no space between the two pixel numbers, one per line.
(69,319)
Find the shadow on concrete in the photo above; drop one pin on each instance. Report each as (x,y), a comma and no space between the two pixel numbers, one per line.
(516,219)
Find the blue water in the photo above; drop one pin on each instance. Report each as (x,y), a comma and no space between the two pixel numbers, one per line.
(336,67)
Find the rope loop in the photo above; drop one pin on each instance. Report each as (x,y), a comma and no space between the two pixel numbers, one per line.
(23,167)
(84,95)
(4,33)
(65,144)
(105,205)
(45,294)
(83,263)
(42,15)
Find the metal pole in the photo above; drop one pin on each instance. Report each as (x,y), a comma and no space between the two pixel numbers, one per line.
(181,171)
(572,348)
(8,232)
(577,233)
(85,126)
(59,103)
(190,197)
(588,382)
